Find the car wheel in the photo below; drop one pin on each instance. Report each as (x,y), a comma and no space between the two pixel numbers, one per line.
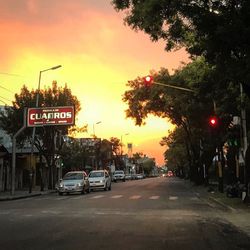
(110,187)
(123,180)
(60,193)
(83,190)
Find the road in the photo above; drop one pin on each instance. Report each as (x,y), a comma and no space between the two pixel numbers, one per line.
(157,213)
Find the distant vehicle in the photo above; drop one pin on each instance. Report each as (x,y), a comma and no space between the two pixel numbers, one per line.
(139,176)
(118,175)
(100,179)
(128,177)
(74,181)
(170,173)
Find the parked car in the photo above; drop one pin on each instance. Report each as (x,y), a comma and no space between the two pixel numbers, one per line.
(118,175)
(170,173)
(139,176)
(128,177)
(74,181)
(100,179)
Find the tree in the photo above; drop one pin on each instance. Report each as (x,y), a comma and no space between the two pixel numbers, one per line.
(218,30)
(177,151)
(189,111)
(148,165)
(116,149)
(45,137)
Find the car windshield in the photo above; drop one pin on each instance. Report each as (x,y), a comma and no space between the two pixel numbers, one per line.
(118,172)
(73,176)
(96,174)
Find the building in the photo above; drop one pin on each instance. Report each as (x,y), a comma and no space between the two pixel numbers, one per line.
(25,163)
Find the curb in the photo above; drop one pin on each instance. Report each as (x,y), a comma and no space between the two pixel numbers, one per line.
(9,198)
(24,196)
(222,204)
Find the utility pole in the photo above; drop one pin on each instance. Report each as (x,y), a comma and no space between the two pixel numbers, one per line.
(13,174)
(244,136)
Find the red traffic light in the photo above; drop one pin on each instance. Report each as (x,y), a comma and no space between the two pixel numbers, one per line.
(148,80)
(213,121)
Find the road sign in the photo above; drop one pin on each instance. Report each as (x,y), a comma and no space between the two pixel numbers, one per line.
(50,116)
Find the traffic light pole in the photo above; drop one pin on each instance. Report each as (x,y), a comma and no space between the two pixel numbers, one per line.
(244,139)
(173,86)
(220,169)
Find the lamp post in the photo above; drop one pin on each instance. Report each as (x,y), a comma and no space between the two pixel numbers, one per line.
(94,127)
(121,142)
(34,128)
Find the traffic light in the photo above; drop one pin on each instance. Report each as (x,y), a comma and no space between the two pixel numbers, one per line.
(148,80)
(213,121)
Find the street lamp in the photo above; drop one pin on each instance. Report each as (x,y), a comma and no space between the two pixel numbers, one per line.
(37,102)
(39,81)
(121,142)
(94,127)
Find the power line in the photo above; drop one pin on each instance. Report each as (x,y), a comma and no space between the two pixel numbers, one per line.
(7,89)
(8,74)
(5,99)
(3,102)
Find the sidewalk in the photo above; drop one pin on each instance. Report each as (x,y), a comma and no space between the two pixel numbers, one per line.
(21,194)
(236,211)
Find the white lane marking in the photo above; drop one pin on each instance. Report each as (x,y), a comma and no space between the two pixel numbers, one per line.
(173,198)
(194,199)
(154,197)
(97,197)
(135,197)
(116,196)
(61,198)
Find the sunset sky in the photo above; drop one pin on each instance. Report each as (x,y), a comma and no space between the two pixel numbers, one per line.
(98,54)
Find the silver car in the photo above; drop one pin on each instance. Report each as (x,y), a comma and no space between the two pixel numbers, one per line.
(118,175)
(75,181)
(100,179)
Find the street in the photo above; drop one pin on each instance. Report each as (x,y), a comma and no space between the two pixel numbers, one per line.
(154,213)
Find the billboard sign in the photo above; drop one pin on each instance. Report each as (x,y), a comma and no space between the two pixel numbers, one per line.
(50,116)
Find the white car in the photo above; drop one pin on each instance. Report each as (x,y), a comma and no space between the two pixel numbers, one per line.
(74,181)
(118,175)
(100,179)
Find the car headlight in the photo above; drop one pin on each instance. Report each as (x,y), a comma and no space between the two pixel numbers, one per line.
(61,185)
(102,181)
(80,184)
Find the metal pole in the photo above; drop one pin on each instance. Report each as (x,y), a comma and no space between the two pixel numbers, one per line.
(121,145)
(34,128)
(13,174)
(93,130)
(243,118)
(94,127)
(244,133)
(37,100)
(174,87)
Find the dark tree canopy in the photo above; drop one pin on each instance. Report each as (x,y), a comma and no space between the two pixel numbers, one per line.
(218,30)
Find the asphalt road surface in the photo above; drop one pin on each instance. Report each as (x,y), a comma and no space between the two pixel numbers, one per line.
(157,213)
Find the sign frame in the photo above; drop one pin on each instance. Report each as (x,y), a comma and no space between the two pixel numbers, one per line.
(51,116)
